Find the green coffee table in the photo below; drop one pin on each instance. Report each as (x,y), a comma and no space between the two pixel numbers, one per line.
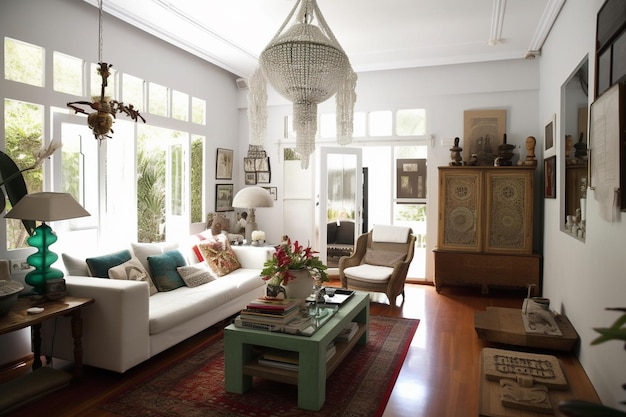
(240,363)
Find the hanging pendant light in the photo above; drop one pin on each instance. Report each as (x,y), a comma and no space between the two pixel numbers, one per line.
(101,121)
(306,65)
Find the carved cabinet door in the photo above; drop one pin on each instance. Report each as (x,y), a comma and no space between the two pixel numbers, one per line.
(460,209)
(509,210)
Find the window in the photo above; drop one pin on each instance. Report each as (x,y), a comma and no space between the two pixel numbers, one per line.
(411,122)
(157,99)
(67,74)
(133,91)
(23,62)
(180,105)
(198,111)
(380,123)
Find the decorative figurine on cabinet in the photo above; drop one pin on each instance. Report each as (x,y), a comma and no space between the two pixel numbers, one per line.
(455,154)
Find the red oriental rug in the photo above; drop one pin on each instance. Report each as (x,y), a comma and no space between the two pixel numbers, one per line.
(360,387)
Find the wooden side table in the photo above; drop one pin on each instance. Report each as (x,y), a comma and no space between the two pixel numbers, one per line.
(18,318)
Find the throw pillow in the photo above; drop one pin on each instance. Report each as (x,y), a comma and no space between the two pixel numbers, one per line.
(220,257)
(132,270)
(143,250)
(195,275)
(163,270)
(99,266)
(382,257)
(75,266)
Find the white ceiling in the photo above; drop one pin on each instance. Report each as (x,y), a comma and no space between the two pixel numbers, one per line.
(376,34)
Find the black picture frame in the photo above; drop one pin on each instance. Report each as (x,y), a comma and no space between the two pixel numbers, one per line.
(223,197)
(224,164)
(549,177)
(549,133)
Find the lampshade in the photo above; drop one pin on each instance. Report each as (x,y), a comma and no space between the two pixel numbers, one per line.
(47,206)
(252,197)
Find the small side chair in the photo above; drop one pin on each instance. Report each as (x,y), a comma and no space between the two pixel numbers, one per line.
(380,261)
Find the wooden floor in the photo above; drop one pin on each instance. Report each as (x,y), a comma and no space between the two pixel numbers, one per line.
(439,377)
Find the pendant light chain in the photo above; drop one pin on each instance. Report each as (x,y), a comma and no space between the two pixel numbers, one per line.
(100,32)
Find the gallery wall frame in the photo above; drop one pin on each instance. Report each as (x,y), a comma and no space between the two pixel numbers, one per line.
(263,177)
(224,164)
(250,178)
(224,197)
(484,131)
(549,177)
(549,132)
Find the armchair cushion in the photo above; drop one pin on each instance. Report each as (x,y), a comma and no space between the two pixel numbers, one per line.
(382,257)
(393,234)
(369,273)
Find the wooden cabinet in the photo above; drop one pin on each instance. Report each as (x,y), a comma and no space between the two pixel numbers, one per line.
(484,212)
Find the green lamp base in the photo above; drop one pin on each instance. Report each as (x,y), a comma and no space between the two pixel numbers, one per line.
(41,260)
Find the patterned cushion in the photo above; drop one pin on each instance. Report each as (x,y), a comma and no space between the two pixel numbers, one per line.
(132,270)
(220,257)
(163,270)
(99,266)
(194,275)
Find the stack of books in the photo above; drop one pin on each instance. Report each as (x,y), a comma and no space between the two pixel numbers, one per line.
(273,315)
(348,332)
(285,359)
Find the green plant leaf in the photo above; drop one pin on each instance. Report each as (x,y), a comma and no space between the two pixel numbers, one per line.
(15,187)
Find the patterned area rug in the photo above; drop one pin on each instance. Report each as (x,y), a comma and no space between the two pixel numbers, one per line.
(360,387)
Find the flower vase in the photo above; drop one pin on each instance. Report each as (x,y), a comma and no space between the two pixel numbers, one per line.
(301,286)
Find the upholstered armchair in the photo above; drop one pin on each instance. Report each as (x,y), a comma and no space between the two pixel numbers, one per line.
(380,261)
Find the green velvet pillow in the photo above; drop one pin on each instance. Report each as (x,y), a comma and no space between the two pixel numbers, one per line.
(163,270)
(99,266)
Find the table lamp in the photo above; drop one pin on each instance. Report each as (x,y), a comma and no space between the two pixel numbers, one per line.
(45,207)
(251,198)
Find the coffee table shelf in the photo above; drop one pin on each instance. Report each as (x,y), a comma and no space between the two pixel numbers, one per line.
(288,376)
(241,364)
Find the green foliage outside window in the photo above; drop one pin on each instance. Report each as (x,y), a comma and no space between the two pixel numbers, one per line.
(23,136)
(197,175)
(150,196)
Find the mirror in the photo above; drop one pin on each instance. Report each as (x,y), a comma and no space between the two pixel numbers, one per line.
(574,110)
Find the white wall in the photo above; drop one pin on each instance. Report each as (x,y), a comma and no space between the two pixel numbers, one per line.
(582,278)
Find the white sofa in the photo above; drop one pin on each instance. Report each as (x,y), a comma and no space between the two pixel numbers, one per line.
(126,325)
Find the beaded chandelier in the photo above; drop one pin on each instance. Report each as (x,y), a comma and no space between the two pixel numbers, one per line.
(307,66)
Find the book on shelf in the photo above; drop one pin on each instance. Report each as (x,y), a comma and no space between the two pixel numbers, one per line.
(285,359)
(347,333)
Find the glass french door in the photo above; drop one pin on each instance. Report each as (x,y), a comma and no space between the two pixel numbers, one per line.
(340,185)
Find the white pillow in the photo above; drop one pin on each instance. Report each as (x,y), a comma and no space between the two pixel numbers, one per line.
(194,275)
(75,266)
(143,250)
(132,270)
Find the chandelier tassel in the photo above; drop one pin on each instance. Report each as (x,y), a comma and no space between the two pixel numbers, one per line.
(257,108)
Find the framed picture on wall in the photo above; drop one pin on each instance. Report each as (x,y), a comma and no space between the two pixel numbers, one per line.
(411,178)
(249,165)
(262,164)
(224,165)
(484,132)
(250,178)
(549,177)
(224,197)
(550,132)
(263,177)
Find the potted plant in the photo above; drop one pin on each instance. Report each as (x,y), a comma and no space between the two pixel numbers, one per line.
(577,408)
(293,265)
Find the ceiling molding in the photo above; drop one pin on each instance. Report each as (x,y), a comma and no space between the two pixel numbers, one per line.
(550,13)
